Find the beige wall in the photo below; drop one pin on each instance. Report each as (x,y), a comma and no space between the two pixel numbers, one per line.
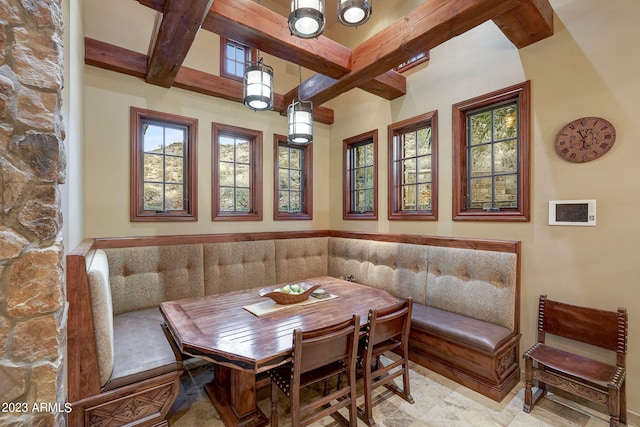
(588,68)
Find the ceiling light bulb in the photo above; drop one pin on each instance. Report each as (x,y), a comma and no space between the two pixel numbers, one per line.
(306,19)
(353,13)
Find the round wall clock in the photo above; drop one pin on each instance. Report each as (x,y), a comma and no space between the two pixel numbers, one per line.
(585,139)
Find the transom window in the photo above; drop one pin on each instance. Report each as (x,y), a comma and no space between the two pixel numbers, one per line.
(361,176)
(413,168)
(491,148)
(233,57)
(293,195)
(163,168)
(237,162)
(412,62)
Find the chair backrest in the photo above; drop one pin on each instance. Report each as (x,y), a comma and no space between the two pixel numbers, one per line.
(600,328)
(389,322)
(319,347)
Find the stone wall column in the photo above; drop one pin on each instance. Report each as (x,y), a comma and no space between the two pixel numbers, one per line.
(32,165)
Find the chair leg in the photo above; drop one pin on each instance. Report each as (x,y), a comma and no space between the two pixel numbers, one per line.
(530,399)
(353,407)
(614,407)
(274,404)
(528,376)
(366,415)
(405,378)
(623,402)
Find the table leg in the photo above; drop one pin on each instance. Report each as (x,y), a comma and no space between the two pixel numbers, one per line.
(233,393)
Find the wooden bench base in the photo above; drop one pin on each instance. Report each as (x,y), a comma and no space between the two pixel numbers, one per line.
(492,375)
(141,404)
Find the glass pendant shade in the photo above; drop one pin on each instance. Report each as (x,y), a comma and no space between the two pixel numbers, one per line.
(306,19)
(300,118)
(258,86)
(353,13)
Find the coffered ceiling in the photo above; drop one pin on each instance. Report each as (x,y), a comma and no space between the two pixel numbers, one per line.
(368,66)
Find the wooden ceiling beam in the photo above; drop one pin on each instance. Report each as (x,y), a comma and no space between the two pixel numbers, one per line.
(173,38)
(528,23)
(254,25)
(429,25)
(114,58)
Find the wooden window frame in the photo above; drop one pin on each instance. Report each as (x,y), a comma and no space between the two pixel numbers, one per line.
(347,187)
(394,189)
(307,192)
(255,180)
(250,55)
(137,212)
(521,93)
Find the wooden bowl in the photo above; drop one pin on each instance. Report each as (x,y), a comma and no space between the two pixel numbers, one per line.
(284,298)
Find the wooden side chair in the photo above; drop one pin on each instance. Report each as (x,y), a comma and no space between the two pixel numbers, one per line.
(589,379)
(387,331)
(318,355)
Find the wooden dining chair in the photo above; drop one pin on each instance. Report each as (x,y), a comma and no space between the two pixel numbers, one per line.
(387,331)
(593,380)
(318,355)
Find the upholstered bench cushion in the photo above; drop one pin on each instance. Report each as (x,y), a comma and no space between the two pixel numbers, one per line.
(142,350)
(474,283)
(231,266)
(102,312)
(143,277)
(471,332)
(298,259)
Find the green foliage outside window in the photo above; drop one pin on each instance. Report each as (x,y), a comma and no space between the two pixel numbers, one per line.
(163,167)
(234,167)
(493,152)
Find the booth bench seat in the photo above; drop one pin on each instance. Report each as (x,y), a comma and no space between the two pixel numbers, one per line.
(465,322)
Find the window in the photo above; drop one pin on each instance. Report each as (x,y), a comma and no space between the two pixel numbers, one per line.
(491,152)
(233,57)
(237,173)
(361,176)
(293,198)
(412,62)
(163,167)
(413,168)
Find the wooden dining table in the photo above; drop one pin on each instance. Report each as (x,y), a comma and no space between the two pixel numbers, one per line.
(242,345)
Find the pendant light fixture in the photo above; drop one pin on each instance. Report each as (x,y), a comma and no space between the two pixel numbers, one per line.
(258,86)
(300,118)
(354,13)
(306,19)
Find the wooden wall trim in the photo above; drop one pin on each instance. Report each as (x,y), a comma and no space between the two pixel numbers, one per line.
(127,242)
(511,246)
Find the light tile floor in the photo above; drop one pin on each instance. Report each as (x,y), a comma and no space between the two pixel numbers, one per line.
(439,402)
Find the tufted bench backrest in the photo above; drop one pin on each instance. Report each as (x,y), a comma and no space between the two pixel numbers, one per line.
(475,283)
(399,268)
(349,257)
(230,266)
(298,259)
(143,277)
